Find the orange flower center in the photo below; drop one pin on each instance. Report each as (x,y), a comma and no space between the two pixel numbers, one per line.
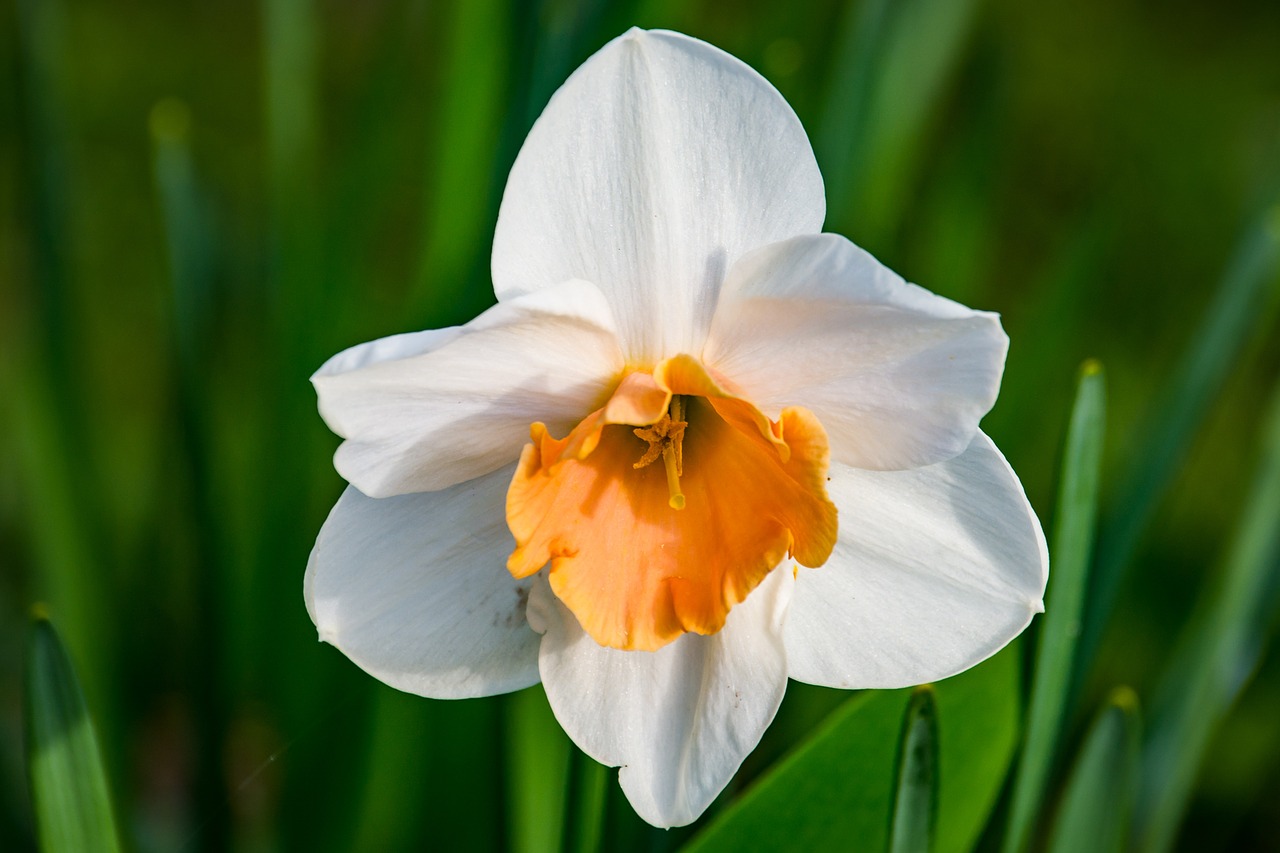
(666,438)
(642,553)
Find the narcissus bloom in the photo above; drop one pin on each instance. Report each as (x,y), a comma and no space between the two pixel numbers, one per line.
(696,449)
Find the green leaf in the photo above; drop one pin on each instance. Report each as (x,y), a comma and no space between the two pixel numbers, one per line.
(979,720)
(836,788)
(458,217)
(1216,656)
(915,801)
(1098,802)
(893,66)
(296,205)
(1072,544)
(1249,281)
(68,785)
(839,139)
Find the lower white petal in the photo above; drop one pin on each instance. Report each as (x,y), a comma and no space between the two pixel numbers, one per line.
(415,590)
(936,569)
(899,377)
(422,412)
(680,720)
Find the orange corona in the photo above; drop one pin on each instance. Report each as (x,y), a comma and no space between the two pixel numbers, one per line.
(642,553)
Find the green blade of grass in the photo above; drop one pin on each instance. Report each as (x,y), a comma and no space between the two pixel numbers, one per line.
(1216,656)
(839,139)
(584,825)
(291,95)
(1248,282)
(538,756)
(1072,544)
(399,733)
(546,817)
(68,785)
(57,449)
(458,217)
(1098,801)
(900,58)
(915,800)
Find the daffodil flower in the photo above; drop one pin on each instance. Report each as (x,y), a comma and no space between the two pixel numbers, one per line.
(696,448)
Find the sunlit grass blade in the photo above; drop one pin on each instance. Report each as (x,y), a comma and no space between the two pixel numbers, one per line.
(839,139)
(464,183)
(68,785)
(428,778)
(1098,802)
(584,822)
(835,790)
(538,758)
(399,732)
(874,129)
(1246,286)
(915,799)
(1217,655)
(1069,559)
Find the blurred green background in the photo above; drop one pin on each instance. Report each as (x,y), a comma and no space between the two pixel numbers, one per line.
(200,202)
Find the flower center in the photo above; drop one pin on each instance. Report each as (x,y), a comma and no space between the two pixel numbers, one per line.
(666,439)
(642,553)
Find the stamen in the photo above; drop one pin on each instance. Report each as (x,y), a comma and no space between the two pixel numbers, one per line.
(666,438)
(673,478)
(677,433)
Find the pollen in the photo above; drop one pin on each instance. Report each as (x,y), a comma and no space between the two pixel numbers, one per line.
(666,439)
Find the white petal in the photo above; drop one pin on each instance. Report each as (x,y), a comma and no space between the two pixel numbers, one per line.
(415,590)
(680,720)
(935,570)
(655,166)
(389,348)
(423,412)
(899,377)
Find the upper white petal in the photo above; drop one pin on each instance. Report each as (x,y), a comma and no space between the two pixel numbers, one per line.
(899,377)
(423,412)
(657,164)
(680,720)
(415,590)
(935,570)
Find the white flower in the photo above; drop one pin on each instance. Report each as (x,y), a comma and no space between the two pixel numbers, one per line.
(717,379)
